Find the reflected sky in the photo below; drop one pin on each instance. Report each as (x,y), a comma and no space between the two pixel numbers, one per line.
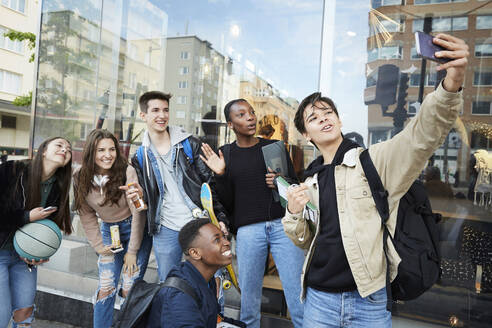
(349,64)
(279,40)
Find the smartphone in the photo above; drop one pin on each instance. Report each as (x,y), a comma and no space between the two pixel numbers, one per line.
(116,250)
(49,208)
(426,48)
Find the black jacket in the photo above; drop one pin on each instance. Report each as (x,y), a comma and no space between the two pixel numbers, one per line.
(13,214)
(194,174)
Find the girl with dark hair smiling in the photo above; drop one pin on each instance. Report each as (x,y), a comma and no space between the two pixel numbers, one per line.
(29,186)
(99,193)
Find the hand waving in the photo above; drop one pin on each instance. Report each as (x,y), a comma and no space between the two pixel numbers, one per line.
(215,162)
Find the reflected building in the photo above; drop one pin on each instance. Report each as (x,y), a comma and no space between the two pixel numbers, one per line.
(271,108)
(93,66)
(195,77)
(391,44)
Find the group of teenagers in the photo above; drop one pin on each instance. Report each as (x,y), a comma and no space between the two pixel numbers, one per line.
(332,276)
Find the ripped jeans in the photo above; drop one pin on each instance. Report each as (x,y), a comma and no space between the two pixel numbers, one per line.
(17,288)
(110,268)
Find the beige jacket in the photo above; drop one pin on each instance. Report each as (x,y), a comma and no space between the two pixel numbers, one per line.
(399,162)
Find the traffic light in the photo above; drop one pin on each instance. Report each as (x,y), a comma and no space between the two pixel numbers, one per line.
(403,90)
(386,85)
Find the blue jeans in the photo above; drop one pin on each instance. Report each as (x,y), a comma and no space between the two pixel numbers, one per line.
(110,269)
(17,287)
(252,246)
(349,309)
(167,251)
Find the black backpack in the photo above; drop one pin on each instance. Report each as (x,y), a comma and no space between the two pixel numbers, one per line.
(136,309)
(416,237)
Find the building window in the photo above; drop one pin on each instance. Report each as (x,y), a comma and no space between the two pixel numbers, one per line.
(426,2)
(183,84)
(184,70)
(132,51)
(440,24)
(181,100)
(19,5)
(372,79)
(414,80)
(6,43)
(50,50)
(392,52)
(180,114)
(380,3)
(482,78)
(481,107)
(379,136)
(185,55)
(459,23)
(480,141)
(132,80)
(430,80)
(414,54)
(413,107)
(483,50)
(9,122)
(84,130)
(10,82)
(484,22)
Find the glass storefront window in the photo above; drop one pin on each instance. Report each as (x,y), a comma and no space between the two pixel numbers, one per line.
(96,57)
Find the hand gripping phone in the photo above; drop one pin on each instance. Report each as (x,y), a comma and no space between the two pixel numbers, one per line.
(427,49)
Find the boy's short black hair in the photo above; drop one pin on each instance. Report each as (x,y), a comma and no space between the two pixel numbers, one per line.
(227,108)
(151,95)
(189,232)
(310,100)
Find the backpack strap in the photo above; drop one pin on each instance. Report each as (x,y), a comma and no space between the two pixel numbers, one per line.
(380,196)
(187,149)
(181,285)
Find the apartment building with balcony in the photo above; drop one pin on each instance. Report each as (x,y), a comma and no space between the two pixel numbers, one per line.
(16,75)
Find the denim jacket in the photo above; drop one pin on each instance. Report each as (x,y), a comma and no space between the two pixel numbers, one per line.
(189,177)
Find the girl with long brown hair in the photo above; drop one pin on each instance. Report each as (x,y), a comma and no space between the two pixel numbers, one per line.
(29,186)
(97,194)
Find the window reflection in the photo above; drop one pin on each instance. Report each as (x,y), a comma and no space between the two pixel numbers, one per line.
(456,175)
(97,57)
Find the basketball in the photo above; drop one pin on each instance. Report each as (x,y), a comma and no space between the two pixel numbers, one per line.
(37,240)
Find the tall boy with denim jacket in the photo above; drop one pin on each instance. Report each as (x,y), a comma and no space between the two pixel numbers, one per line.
(170,172)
